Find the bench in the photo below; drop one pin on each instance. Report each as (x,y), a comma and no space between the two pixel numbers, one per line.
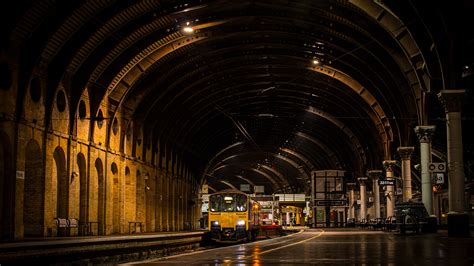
(61,222)
(73,223)
(363,223)
(64,225)
(377,223)
(390,223)
(134,225)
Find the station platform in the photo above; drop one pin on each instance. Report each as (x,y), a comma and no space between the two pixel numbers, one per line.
(298,245)
(336,246)
(97,249)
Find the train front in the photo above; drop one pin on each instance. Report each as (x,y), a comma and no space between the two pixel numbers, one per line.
(228,217)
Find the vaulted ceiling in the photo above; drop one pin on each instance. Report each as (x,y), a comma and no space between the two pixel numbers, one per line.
(260,92)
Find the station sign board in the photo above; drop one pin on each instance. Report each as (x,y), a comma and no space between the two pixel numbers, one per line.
(259,189)
(438,178)
(330,202)
(245,187)
(386,182)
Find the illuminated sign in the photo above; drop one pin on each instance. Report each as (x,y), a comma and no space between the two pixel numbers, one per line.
(385,182)
(330,202)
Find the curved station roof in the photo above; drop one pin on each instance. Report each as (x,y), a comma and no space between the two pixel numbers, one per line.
(258,92)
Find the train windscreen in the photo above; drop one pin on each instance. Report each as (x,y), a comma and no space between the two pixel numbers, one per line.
(228,203)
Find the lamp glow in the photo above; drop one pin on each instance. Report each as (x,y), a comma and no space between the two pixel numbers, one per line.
(188,29)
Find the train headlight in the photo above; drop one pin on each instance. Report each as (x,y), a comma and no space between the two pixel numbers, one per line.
(240,222)
(215,222)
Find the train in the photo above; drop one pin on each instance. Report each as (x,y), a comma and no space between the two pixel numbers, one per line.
(233,217)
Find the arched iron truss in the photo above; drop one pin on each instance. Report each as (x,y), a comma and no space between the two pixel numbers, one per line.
(261,92)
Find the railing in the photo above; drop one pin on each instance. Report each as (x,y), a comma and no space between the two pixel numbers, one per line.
(133,225)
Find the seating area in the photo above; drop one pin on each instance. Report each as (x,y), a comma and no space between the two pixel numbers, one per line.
(377,223)
(405,224)
(385,224)
(64,226)
(364,223)
(390,223)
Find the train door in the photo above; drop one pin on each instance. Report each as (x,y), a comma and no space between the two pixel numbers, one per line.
(328,216)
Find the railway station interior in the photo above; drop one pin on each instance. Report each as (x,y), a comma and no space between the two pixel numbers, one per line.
(118,118)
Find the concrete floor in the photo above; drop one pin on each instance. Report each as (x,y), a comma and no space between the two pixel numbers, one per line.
(337,246)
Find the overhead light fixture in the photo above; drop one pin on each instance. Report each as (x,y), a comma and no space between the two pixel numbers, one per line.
(315,62)
(266,115)
(188,28)
(267,89)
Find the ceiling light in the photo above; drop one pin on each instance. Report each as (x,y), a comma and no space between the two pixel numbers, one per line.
(188,28)
(266,115)
(267,89)
(315,62)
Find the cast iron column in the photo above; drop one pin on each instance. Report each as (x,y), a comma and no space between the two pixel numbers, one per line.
(389,193)
(363,196)
(425,134)
(458,220)
(375,174)
(352,201)
(405,154)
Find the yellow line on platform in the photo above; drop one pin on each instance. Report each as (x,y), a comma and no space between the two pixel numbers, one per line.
(227,262)
(296,243)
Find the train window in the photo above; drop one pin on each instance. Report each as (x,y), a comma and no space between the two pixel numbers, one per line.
(339,183)
(215,202)
(241,202)
(228,205)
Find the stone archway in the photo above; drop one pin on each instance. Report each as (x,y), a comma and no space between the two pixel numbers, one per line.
(140,197)
(61,179)
(6,187)
(83,191)
(60,173)
(116,191)
(34,189)
(100,196)
(129,197)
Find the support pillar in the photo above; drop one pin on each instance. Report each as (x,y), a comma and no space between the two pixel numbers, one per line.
(425,134)
(389,192)
(405,155)
(374,175)
(352,200)
(458,219)
(313,198)
(363,197)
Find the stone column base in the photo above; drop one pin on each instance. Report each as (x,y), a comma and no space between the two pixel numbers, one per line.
(431,226)
(458,225)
